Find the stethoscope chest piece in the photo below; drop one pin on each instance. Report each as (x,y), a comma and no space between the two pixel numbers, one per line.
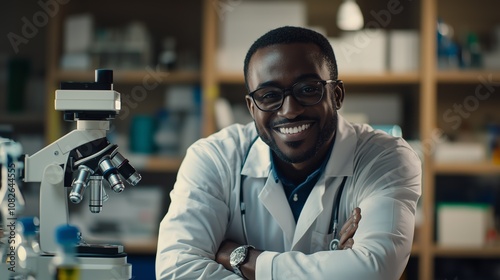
(334,244)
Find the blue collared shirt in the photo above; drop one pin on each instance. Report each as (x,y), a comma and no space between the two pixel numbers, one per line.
(297,194)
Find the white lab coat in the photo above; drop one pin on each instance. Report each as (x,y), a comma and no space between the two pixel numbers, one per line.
(383,179)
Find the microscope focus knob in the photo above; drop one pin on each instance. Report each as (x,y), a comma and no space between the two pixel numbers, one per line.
(54,174)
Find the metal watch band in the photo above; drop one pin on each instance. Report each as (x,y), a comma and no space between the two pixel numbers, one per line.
(237,271)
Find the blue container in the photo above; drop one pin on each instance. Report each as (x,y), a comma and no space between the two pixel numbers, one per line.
(142,132)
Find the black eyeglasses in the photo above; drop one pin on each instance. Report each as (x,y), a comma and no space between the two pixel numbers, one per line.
(307,93)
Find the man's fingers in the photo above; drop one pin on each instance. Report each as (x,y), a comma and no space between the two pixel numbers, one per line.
(348,244)
(353,219)
(349,233)
(349,229)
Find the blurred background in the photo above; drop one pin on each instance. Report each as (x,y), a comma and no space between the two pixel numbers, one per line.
(428,69)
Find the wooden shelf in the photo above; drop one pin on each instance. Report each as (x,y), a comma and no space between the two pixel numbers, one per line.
(415,250)
(133,76)
(482,168)
(387,78)
(162,164)
(479,252)
(467,76)
(21,119)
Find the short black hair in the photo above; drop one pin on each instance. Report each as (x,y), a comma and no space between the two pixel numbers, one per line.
(289,35)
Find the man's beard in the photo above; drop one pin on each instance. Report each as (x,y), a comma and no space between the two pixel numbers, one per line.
(325,134)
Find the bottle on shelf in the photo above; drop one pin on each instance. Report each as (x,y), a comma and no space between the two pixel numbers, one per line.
(65,265)
(472,53)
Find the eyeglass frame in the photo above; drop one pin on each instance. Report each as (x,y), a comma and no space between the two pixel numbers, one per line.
(290,90)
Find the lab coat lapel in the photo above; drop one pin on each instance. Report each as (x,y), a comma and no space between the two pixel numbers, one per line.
(274,199)
(272,196)
(312,209)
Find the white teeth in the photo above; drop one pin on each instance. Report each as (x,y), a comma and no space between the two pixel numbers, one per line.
(293,130)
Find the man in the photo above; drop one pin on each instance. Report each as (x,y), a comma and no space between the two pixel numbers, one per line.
(276,184)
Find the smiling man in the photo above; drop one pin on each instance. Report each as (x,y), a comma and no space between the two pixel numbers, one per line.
(264,200)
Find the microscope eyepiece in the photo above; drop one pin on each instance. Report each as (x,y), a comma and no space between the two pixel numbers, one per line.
(125,168)
(110,173)
(80,184)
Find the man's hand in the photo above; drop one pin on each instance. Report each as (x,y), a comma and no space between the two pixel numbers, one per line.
(348,229)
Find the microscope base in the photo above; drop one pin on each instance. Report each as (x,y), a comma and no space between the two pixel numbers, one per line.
(91,268)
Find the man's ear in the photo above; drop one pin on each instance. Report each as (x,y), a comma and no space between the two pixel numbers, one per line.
(339,92)
(250,105)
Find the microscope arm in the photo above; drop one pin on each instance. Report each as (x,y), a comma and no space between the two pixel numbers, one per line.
(48,167)
(58,151)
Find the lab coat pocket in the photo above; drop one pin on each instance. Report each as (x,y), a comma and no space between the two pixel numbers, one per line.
(320,241)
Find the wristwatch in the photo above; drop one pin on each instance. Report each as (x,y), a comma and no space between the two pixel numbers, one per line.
(238,257)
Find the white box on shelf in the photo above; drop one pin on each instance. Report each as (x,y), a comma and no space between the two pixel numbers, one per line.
(361,51)
(463,224)
(404,50)
(78,33)
(460,152)
(377,108)
(241,24)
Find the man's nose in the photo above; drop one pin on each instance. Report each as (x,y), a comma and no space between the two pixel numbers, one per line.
(291,108)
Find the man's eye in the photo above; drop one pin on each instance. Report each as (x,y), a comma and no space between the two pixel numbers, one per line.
(271,95)
(309,89)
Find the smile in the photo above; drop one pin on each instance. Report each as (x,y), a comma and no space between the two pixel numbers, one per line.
(294,130)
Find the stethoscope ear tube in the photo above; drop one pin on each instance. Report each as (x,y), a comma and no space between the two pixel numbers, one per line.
(242,199)
(334,244)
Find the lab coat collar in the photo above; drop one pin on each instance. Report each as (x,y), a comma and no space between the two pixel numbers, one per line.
(341,162)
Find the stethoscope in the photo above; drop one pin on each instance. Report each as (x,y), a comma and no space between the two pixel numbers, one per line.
(334,244)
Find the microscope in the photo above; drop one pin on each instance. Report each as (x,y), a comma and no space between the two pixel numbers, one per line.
(81,161)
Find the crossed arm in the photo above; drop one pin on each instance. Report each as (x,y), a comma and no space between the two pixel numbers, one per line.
(248,268)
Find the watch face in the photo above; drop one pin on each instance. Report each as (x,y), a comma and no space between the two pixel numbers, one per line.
(237,256)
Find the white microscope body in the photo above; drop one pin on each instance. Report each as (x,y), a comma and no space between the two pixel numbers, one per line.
(87,153)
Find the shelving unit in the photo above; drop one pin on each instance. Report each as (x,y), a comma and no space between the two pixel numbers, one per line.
(425,82)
